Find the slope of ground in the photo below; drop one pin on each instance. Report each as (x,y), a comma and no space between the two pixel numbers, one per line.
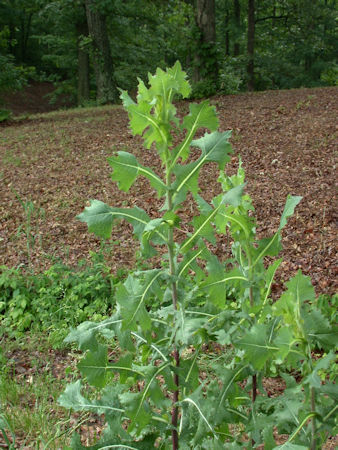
(58,161)
(34,98)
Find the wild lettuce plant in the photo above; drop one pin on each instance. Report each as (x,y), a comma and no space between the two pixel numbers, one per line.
(154,393)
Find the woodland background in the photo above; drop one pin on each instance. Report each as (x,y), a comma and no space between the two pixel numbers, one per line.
(88,48)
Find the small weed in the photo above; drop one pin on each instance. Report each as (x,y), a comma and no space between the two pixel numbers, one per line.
(303,104)
(30,228)
(10,159)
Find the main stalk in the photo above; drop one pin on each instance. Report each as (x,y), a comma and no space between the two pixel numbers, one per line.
(172,271)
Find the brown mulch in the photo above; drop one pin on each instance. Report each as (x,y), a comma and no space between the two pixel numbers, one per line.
(286,140)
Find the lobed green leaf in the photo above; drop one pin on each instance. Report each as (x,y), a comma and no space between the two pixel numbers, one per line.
(100,218)
(126,169)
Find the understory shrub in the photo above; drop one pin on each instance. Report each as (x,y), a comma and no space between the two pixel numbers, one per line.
(231,76)
(160,391)
(5,114)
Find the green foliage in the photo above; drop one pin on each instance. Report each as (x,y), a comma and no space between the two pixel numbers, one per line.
(157,392)
(295,44)
(4,425)
(5,114)
(12,77)
(231,76)
(59,298)
(203,89)
(330,75)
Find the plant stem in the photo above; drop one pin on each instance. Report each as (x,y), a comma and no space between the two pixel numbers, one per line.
(313,420)
(254,377)
(174,413)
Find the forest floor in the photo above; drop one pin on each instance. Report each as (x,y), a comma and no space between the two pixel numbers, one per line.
(286,139)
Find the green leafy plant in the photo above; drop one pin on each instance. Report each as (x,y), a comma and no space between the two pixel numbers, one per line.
(5,114)
(231,79)
(154,393)
(56,299)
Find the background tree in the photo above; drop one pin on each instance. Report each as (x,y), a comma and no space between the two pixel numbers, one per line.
(224,45)
(251,44)
(83,89)
(101,53)
(206,61)
(237,17)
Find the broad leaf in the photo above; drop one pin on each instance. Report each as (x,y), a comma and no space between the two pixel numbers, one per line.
(267,247)
(257,346)
(290,303)
(241,227)
(144,123)
(319,330)
(201,115)
(183,86)
(72,398)
(204,408)
(94,366)
(215,147)
(286,343)
(272,246)
(137,404)
(126,169)
(85,334)
(203,206)
(291,203)
(215,284)
(132,297)
(206,229)
(126,99)
(269,277)
(100,218)
(290,446)
(189,262)
(233,197)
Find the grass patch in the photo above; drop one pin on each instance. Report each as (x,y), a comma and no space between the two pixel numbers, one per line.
(32,378)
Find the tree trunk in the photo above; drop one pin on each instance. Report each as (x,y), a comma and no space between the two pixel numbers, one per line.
(206,59)
(237,13)
(11,45)
(83,91)
(227,36)
(25,34)
(251,44)
(102,59)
